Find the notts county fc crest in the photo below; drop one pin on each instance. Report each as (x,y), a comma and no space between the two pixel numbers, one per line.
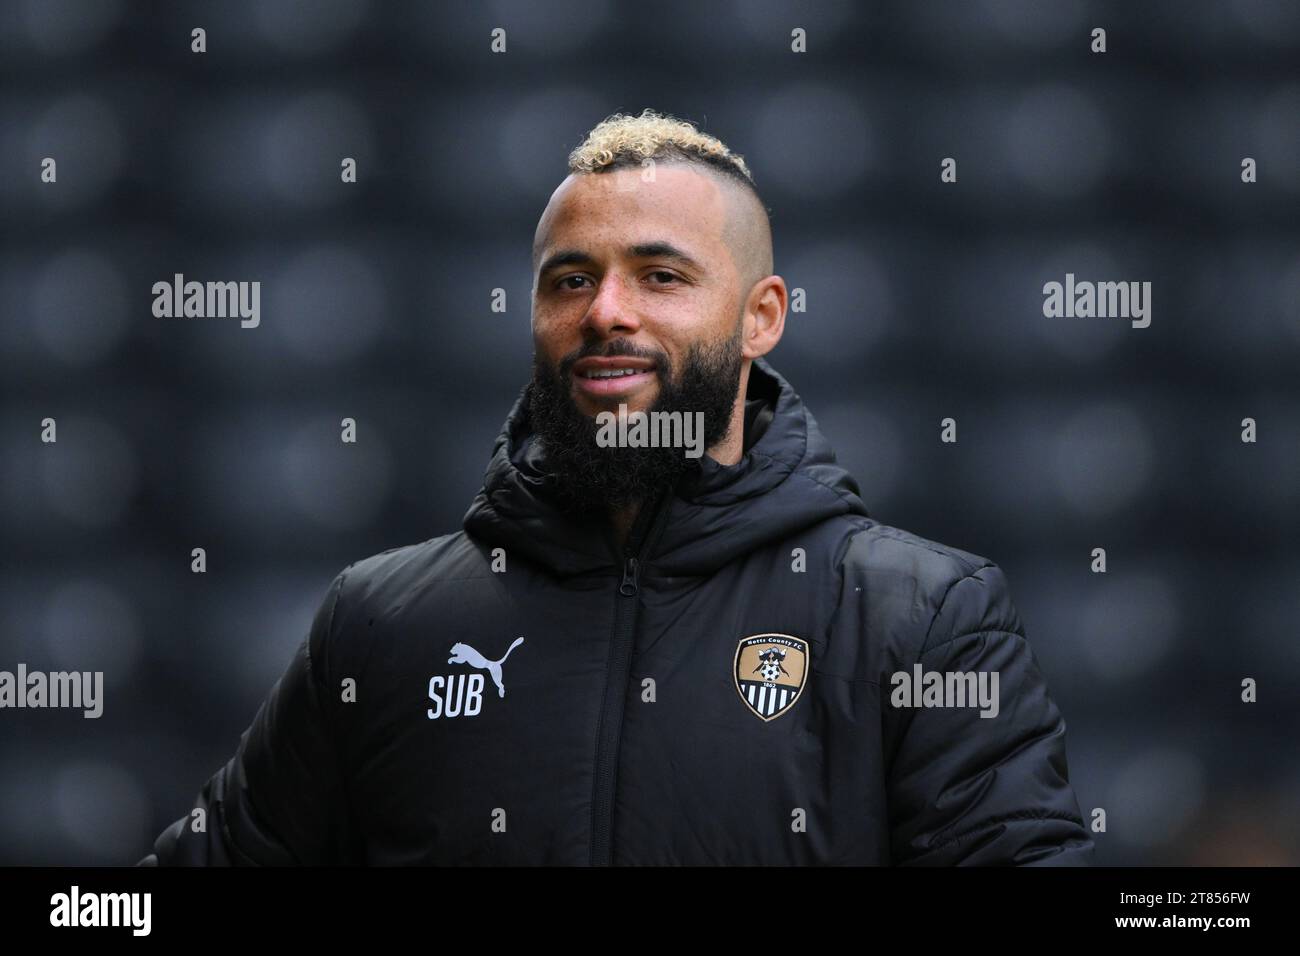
(770,672)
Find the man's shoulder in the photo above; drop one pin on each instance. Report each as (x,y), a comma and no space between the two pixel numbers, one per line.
(448,556)
(940,589)
(369,594)
(871,546)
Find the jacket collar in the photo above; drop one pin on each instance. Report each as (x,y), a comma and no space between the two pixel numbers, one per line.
(786,480)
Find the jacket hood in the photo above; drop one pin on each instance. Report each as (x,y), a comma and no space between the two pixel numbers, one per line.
(786,480)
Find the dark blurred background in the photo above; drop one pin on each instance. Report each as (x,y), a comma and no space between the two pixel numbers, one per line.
(924,301)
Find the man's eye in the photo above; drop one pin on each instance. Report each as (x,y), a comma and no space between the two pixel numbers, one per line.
(562,282)
(660,272)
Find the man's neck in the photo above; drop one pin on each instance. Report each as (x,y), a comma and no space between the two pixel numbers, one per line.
(726,452)
(622,519)
(732,447)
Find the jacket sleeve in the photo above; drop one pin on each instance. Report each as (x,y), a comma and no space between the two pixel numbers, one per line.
(971,790)
(280,799)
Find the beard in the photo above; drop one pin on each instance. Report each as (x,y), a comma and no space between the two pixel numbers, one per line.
(591,478)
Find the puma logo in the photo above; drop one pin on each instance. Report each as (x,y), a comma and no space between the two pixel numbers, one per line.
(464,654)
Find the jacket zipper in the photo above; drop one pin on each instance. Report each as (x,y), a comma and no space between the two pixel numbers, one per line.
(617,676)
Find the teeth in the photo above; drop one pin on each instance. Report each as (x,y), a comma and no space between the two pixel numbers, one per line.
(612,373)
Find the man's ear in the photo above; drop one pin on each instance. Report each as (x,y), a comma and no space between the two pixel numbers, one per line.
(764,317)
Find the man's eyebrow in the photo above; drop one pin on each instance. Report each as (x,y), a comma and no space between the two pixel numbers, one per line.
(663,250)
(565,257)
(645,250)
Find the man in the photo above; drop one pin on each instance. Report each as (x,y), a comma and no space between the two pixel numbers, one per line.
(633,654)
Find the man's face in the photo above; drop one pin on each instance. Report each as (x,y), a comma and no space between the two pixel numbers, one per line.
(637,302)
(633,269)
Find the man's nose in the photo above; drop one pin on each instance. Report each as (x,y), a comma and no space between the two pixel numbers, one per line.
(613,309)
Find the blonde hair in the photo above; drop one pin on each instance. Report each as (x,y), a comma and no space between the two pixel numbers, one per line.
(620,141)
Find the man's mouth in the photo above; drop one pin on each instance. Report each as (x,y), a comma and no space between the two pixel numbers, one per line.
(617,375)
(609,372)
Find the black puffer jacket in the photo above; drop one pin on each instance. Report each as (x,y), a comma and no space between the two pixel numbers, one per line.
(721,692)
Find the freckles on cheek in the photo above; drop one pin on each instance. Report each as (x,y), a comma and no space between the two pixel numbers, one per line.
(549,339)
